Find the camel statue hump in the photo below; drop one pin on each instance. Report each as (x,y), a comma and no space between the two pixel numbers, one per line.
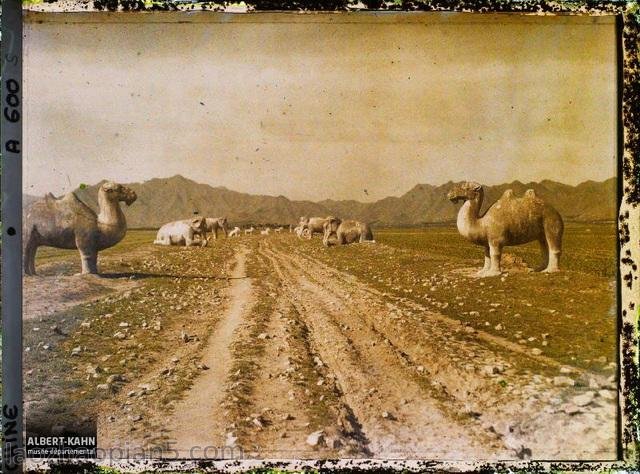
(508,194)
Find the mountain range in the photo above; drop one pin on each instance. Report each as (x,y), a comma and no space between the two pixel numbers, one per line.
(165,199)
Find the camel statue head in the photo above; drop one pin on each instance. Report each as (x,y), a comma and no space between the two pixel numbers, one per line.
(114,192)
(466,191)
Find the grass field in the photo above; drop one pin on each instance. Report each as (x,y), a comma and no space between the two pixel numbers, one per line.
(570,315)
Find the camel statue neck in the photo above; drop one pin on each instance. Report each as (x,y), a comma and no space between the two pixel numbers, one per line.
(468,217)
(109,213)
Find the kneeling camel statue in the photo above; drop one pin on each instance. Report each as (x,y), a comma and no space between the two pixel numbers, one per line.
(509,221)
(68,223)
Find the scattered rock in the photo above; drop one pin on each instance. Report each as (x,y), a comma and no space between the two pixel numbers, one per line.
(230,440)
(584,399)
(536,351)
(76,351)
(607,394)
(387,416)
(93,370)
(263,335)
(562,381)
(492,369)
(316,438)
(570,409)
(116,378)
(257,421)
(148,387)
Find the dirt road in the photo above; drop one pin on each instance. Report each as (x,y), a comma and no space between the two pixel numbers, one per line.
(199,423)
(307,361)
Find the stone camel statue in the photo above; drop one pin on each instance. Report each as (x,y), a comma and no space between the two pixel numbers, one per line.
(509,221)
(68,223)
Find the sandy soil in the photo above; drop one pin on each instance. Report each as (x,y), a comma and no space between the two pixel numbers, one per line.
(69,291)
(328,366)
(257,349)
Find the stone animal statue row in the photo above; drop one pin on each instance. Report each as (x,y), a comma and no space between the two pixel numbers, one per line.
(334,231)
(193,232)
(68,223)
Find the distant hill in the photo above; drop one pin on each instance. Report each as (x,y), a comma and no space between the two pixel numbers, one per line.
(165,199)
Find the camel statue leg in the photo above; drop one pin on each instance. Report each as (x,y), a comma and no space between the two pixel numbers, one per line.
(553,230)
(544,250)
(554,256)
(495,254)
(88,255)
(32,259)
(29,257)
(89,262)
(487,263)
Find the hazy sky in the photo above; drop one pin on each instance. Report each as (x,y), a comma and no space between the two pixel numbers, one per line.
(319,106)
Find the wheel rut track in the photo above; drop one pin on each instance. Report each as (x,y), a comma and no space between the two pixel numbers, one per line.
(196,419)
(286,363)
(519,418)
(395,413)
